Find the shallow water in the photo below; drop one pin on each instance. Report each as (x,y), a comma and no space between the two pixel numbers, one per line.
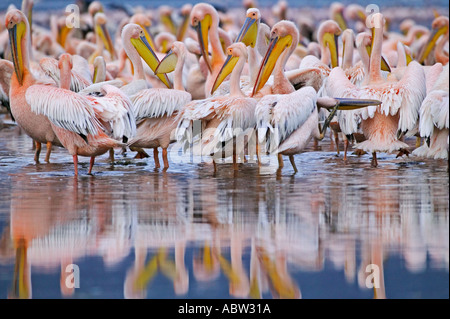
(137,232)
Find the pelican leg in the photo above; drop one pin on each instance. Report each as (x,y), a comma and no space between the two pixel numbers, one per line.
(280,161)
(37,152)
(156,157)
(165,159)
(235,166)
(345,148)
(215,165)
(75,164)
(111,155)
(374,159)
(336,141)
(49,151)
(291,158)
(258,155)
(91,164)
(418,141)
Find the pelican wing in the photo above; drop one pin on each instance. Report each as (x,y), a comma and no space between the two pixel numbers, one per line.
(6,71)
(51,69)
(338,85)
(236,114)
(116,108)
(278,116)
(434,112)
(63,108)
(158,102)
(412,89)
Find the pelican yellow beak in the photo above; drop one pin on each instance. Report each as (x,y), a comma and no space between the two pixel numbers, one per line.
(63,33)
(339,18)
(167,64)
(149,37)
(408,58)
(341,104)
(181,33)
(16,34)
(277,45)
(202,29)
(145,51)
(103,33)
(248,33)
(435,35)
(361,15)
(331,40)
(168,22)
(226,69)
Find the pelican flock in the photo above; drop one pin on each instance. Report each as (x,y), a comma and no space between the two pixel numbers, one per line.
(226,84)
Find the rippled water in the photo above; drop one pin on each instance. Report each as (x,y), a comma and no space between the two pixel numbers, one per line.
(137,232)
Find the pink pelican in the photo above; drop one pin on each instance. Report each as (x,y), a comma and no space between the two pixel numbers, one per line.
(433,124)
(288,119)
(37,126)
(383,125)
(154,108)
(77,119)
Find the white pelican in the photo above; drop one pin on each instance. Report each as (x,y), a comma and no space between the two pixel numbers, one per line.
(36,126)
(434,124)
(225,117)
(77,119)
(288,119)
(437,40)
(205,19)
(154,108)
(383,125)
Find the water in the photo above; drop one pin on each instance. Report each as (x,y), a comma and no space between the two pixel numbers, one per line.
(137,232)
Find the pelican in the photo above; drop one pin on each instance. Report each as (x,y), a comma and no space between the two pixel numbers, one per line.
(433,124)
(288,119)
(437,39)
(205,19)
(37,126)
(103,38)
(398,114)
(77,119)
(154,108)
(225,116)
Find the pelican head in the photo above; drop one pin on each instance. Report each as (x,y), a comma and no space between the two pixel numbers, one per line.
(283,36)
(165,14)
(164,41)
(94,8)
(65,60)
(337,14)
(328,34)
(355,12)
(136,35)
(348,36)
(203,16)
(405,25)
(102,32)
(363,40)
(249,31)
(439,28)
(145,23)
(18,28)
(185,12)
(234,52)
